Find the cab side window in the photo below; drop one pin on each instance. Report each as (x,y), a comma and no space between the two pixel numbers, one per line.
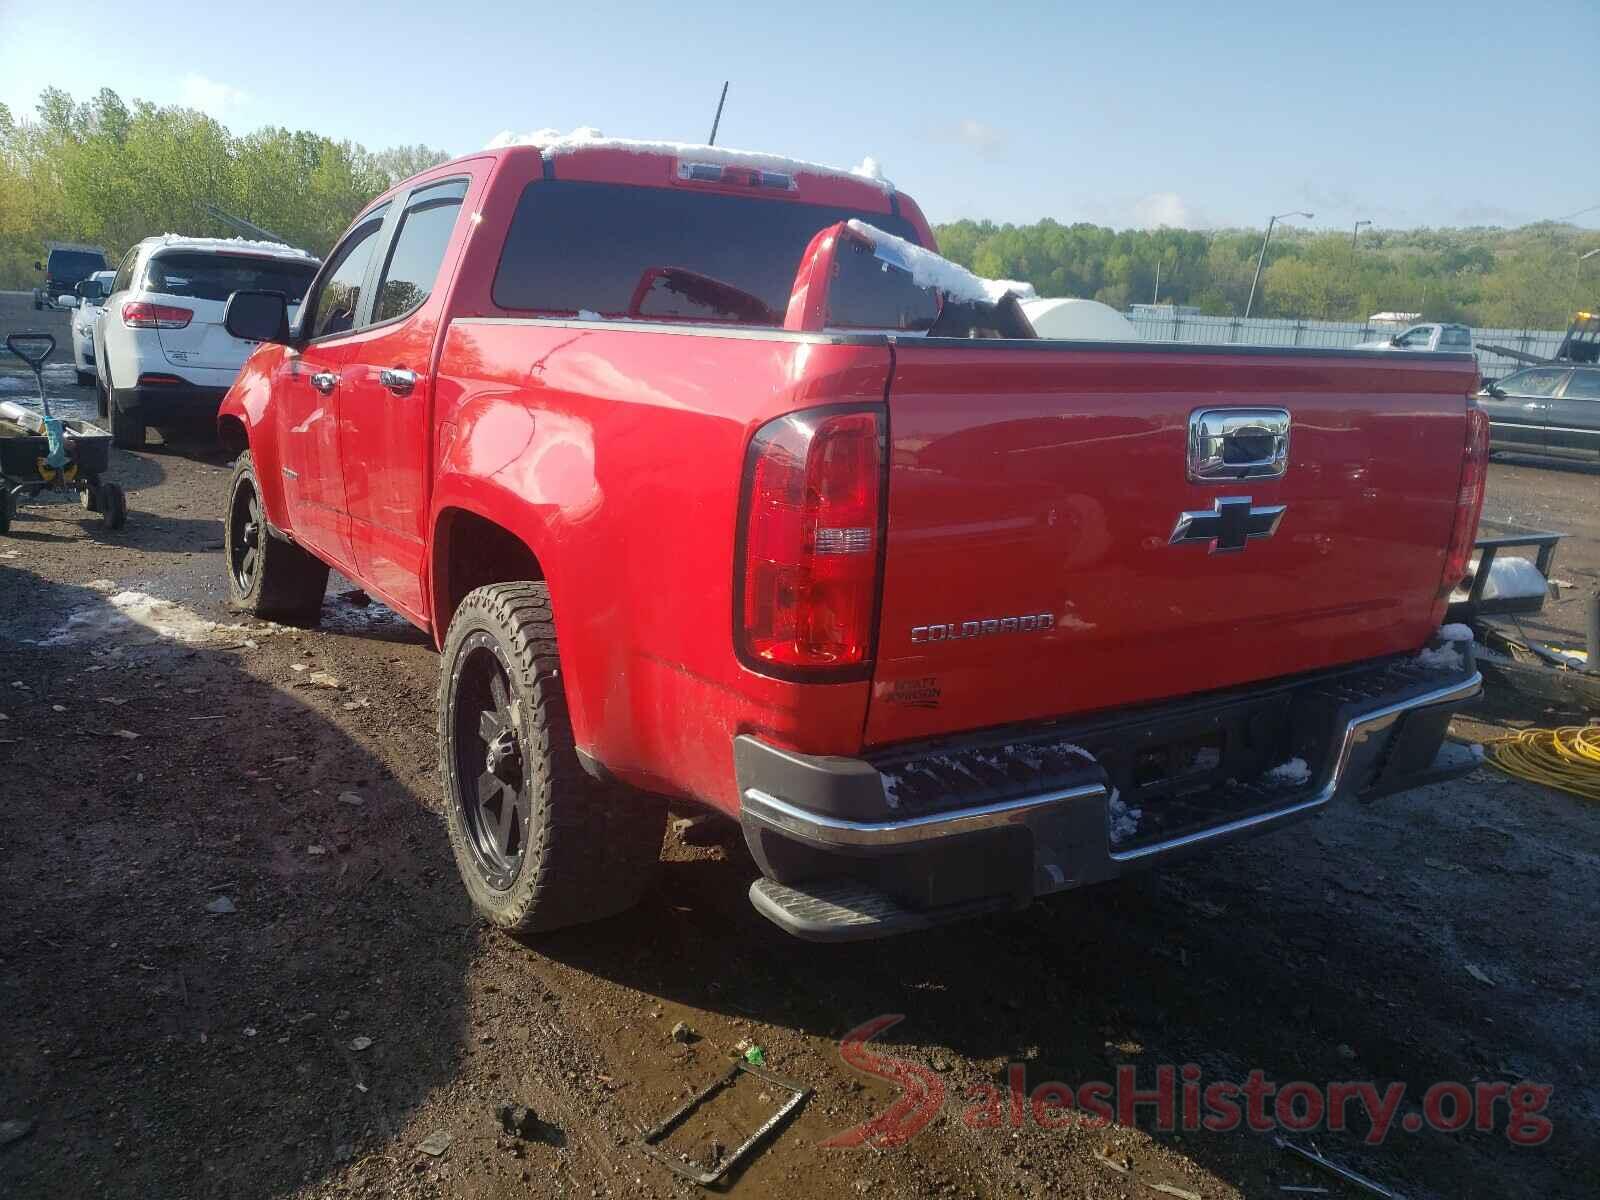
(419,246)
(337,302)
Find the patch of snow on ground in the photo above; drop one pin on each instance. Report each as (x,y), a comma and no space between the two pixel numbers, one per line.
(1441,658)
(552,142)
(1455,633)
(1293,772)
(930,270)
(126,612)
(1124,820)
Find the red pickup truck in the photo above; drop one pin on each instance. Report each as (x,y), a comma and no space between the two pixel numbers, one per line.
(714,484)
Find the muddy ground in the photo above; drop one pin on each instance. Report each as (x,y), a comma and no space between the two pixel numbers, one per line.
(348,1006)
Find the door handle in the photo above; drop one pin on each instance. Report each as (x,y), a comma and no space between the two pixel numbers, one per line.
(398,380)
(325,382)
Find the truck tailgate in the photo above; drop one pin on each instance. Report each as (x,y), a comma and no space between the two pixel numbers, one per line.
(1035,489)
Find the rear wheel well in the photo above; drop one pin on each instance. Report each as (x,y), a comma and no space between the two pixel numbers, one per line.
(473,552)
(231,433)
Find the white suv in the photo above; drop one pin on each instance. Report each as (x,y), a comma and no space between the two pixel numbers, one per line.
(92,293)
(161,353)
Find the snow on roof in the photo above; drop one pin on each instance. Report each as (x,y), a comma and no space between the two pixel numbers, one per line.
(930,270)
(552,142)
(236,244)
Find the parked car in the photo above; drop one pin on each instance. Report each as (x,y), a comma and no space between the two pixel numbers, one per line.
(1449,337)
(162,355)
(714,483)
(91,295)
(1552,410)
(65,265)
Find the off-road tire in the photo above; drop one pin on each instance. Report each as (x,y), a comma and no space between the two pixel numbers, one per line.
(591,848)
(285,581)
(127,430)
(8,508)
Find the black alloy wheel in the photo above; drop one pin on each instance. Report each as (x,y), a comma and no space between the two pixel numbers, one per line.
(496,806)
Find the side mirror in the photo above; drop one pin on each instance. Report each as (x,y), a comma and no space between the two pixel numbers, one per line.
(37,265)
(1395,340)
(257,316)
(1495,390)
(65,301)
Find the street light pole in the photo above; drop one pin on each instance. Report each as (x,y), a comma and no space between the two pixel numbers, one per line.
(1577,268)
(1354,232)
(1260,258)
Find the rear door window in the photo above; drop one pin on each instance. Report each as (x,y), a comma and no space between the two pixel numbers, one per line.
(419,246)
(1584,385)
(621,251)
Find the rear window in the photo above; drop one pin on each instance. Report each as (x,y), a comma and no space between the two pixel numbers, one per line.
(217,276)
(1456,338)
(73,265)
(666,253)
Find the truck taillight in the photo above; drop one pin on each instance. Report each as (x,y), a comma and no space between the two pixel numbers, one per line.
(1469,500)
(811,541)
(141,314)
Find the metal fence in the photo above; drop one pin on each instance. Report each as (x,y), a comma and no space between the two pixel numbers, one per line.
(1333,335)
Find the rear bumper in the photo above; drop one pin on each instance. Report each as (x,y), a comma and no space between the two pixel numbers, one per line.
(995,820)
(172,402)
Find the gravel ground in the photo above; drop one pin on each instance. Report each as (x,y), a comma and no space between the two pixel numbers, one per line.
(347,1006)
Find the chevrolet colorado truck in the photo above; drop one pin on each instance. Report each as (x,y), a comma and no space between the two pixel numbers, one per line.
(713,483)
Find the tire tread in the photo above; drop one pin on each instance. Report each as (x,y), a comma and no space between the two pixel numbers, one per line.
(593,847)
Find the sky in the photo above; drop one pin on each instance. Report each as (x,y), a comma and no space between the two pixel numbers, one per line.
(1125,114)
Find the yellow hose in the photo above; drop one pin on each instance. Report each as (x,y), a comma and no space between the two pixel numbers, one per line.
(1567,758)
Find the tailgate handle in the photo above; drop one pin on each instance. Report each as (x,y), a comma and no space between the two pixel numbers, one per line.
(1238,443)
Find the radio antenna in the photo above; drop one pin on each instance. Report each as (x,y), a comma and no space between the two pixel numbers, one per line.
(717,120)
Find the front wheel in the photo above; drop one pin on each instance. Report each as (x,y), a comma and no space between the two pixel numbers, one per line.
(268,576)
(539,843)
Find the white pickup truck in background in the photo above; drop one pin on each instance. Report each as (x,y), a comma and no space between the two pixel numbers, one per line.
(1432,336)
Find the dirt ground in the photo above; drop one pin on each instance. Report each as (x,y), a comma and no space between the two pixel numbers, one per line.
(346,1006)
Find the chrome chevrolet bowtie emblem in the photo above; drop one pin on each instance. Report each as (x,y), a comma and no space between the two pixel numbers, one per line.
(1228,525)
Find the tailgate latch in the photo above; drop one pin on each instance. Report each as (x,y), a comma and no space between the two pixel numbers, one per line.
(1228,444)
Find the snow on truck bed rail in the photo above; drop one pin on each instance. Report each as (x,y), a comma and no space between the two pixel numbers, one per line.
(930,270)
(552,142)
